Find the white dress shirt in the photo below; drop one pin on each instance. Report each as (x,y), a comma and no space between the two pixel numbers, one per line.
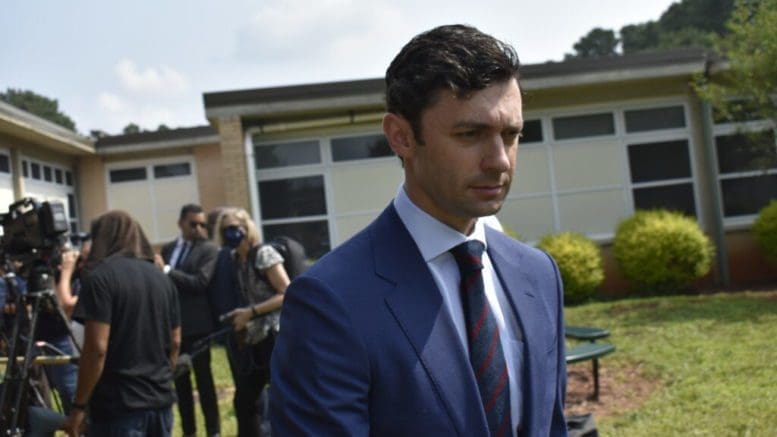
(180,251)
(434,239)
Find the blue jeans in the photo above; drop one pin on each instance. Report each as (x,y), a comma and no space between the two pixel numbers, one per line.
(63,376)
(142,423)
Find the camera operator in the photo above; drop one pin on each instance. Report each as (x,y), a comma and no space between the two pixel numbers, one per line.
(69,284)
(127,382)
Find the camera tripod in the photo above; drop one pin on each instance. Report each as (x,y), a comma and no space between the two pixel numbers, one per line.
(18,391)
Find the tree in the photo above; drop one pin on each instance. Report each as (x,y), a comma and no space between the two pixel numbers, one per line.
(39,105)
(689,23)
(131,128)
(596,44)
(750,47)
(162,127)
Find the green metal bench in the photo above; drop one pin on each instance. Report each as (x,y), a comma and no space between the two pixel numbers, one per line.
(587,333)
(590,351)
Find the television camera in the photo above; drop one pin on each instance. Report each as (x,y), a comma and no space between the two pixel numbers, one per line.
(33,237)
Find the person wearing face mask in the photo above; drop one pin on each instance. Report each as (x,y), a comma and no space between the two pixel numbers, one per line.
(249,283)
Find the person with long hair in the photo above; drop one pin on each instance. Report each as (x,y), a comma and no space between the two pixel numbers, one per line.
(260,281)
(132,336)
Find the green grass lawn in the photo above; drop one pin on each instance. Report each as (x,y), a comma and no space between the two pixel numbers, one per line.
(716,356)
(225,389)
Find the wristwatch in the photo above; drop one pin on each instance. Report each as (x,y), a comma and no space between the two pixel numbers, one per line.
(76,406)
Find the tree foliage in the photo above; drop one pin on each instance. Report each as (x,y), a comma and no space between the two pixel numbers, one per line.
(750,47)
(596,44)
(39,105)
(131,128)
(688,23)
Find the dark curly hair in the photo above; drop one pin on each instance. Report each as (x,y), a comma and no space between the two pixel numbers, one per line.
(455,57)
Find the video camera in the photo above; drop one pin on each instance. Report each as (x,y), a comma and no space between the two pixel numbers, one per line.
(29,226)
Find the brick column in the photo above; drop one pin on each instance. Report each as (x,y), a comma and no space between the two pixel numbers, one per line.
(233,162)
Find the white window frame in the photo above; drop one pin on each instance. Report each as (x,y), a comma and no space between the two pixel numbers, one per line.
(149,164)
(733,128)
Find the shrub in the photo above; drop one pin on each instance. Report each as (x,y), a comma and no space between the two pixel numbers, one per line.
(765,230)
(661,251)
(579,262)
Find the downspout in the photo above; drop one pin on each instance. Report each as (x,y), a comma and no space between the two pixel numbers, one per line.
(713,181)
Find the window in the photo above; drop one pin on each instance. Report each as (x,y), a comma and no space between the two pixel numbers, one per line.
(5,164)
(532,132)
(641,120)
(71,206)
(661,176)
(58,176)
(747,163)
(293,197)
(362,147)
(747,195)
(172,170)
(677,197)
(35,167)
(313,235)
(741,152)
(25,171)
(287,154)
(659,161)
(127,174)
(68,178)
(47,175)
(583,126)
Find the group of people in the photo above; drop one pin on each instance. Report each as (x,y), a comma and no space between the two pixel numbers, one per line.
(142,310)
(427,322)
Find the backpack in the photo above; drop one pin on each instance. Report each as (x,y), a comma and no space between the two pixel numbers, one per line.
(294,258)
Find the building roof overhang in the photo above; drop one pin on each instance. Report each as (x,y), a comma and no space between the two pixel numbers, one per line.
(29,127)
(368,94)
(160,140)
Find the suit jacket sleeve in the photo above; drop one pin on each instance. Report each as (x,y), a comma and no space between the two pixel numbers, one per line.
(558,424)
(320,369)
(196,279)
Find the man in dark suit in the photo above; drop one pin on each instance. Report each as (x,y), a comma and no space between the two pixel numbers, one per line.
(428,322)
(189,262)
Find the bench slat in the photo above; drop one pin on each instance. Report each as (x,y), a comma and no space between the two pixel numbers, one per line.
(586,333)
(588,351)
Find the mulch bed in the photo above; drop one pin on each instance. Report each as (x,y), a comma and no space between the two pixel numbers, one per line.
(620,390)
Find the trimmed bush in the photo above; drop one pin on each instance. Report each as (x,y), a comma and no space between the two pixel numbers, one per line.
(765,230)
(662,251)
(579,262)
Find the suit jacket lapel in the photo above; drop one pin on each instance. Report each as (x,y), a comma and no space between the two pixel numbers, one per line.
(530,314)
(418,308)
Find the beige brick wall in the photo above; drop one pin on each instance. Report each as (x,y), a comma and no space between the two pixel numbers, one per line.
(209,176)
(233,162)
(92,189)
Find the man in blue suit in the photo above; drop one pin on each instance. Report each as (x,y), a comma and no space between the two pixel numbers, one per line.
(428,323)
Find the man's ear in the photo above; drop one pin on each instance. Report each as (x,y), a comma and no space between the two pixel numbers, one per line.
(399,135)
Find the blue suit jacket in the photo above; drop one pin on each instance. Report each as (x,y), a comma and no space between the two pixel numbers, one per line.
(367,346)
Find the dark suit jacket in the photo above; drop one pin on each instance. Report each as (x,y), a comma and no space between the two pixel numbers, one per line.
(367,346)
(192,279)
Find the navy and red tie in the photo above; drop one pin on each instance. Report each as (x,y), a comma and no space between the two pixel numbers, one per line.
(485,348)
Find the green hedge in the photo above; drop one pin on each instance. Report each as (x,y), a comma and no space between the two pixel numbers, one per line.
(765,230)
(661,251)
(579,262)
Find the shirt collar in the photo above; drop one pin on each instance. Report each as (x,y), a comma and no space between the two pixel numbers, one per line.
(432,236)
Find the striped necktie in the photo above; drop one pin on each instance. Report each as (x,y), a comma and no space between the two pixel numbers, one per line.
(485,349)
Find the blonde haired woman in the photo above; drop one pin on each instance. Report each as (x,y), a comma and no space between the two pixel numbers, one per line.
(261,281)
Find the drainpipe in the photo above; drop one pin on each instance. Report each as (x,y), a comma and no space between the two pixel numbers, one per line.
(713,181)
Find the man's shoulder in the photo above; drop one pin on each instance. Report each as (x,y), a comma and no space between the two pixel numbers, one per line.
(515,249)
(206,246)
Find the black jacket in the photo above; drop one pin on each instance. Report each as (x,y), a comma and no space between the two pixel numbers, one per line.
(192,278)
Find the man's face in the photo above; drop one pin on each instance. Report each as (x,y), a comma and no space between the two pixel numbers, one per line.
(194,226)
(464,166)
